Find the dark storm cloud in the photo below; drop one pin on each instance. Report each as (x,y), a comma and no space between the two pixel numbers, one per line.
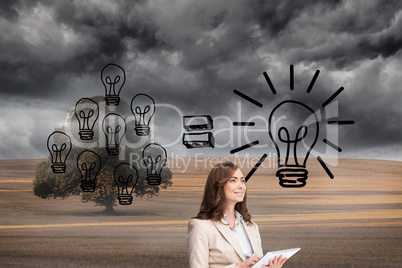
(7,9)
(337,35)
(193,54)
(375,101)
(48,43)
(274,16)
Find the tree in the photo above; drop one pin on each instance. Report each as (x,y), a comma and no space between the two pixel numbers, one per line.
(62,185)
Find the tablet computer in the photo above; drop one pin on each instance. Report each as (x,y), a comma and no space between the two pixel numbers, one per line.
(287,253)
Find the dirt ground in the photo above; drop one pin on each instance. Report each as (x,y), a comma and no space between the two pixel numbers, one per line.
(353,220)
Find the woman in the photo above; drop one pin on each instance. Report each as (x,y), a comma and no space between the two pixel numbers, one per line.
(222,234)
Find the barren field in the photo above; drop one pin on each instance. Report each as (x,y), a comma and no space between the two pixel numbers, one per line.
(353,220)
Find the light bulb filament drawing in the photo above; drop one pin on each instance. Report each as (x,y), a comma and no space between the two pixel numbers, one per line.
(88,170)
(152,164)
(86,119)
(112,84)
(142,114)
(124,183)
(57,152)
(284,132)
(113,135)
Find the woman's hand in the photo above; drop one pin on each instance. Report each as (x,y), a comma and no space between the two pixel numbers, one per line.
(276,262)
(248,263)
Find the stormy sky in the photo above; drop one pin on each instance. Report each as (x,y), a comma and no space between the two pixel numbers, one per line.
(190,56)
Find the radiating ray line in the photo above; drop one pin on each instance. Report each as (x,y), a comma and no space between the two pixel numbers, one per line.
(255,167)
(328,101)
(292,79)
(269,82)
(332,145)
(341,122)
(244,147)
(253,101)
(310,87)
(244,124)
(325,167)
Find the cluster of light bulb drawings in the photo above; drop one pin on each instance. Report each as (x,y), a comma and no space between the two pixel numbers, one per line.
(292,172)
(114,127)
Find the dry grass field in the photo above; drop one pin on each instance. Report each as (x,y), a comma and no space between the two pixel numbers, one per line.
(354,220)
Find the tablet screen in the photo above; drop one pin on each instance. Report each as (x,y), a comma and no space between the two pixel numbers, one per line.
(287,253)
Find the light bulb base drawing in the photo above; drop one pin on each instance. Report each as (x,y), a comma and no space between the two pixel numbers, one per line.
(88,186)
(154,179)
(59,168)
(112,100)
(292,177)
(125,199)
(113,149)
(142,130)
(86,134)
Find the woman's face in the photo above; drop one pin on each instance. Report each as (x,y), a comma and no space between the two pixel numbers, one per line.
(235,188)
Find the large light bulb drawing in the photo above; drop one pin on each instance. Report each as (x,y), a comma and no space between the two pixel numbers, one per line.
(293,137)
(143,108)
(59,146)
(126,177)
(154,157)
(89,165)
(114,126)
(113,78)
(87,112)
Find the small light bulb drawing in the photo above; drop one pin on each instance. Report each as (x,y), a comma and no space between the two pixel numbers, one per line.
(59,146)
(126,177)
(154,157)
(113,78)
(143,108)
(87,112)
(114,126)
(89,165)
(297,137)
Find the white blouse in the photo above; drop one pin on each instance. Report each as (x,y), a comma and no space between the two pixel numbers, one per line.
(240,234)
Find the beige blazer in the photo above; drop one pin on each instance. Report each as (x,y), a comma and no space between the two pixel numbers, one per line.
(212,244)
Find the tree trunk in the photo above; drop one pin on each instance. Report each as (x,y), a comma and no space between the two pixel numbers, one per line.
(109,206)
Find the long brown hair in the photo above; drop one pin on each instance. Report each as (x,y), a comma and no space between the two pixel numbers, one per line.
(213,201)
